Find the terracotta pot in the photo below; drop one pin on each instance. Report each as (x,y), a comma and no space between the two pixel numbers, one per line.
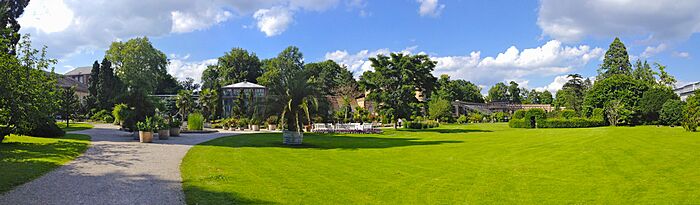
(271,127)
(145,137)
(163,134)
(255,127)
(175,131)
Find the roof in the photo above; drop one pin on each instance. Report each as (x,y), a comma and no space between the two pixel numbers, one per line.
(686,86)
(244,84)
(67,82)
(86,70)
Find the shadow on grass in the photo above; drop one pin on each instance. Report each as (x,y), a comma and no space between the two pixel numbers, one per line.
(22,161)
(322,141)
(443,130)
(197,195)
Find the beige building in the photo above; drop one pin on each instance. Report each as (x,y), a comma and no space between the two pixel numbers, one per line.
(80,74)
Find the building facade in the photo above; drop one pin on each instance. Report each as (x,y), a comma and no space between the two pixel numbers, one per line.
(687,90)
(463,108)
(80,74)
(243,97)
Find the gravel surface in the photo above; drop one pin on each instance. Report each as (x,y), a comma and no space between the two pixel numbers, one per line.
(116,169)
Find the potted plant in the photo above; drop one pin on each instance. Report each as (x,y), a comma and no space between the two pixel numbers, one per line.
(243,123)
(272,122)
(145,130)
(163,129)
(175,127)
(255,124)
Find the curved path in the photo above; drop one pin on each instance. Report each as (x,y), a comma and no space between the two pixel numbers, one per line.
(115,170)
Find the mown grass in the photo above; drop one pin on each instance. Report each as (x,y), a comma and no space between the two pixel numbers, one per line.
(23,158)
(455,164)
(74,126)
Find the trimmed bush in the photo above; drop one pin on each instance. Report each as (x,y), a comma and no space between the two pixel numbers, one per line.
(568,114)
(538,113)
(108,119)
(672,112)
(519,123)
(48,129)
(426,124)
(570,123)
(519,114)
(195,121)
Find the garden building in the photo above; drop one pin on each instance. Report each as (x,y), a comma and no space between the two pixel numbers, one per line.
(243,98)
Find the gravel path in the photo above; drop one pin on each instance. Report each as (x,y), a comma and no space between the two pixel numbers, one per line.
(115,170)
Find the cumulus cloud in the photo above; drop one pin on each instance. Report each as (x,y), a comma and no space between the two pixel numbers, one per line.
(358,63)
(430,7)
(573,20)
(653,50)
(681,54)
(180,68)
(71,26)
(273,21)
(550,59)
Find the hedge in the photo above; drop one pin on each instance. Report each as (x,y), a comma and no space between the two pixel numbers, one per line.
(570,123)
(421,124)
(519,123)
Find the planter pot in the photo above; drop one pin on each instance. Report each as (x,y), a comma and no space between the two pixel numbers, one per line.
(163,134)
(255,127)
(271,127)
(292,137)
(241,128)
(307,128)
(145,137)
(249,127)
(232,128)
(175,131)
(224,128)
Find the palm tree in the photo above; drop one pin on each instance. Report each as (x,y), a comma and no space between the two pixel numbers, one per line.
(208,101)
(184,103)
(299,97)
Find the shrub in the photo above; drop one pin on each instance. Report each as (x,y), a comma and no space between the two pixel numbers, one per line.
(146,125)
(462,119)
(538,113)
(99,116)
(672,112)
(272,120)
(195,121)
(598,114)
(500,116)
(691,114)
(519,123)
(568,114)
(243,122)
(120,113)
(519,114)
(175,123)
(421,124)
(254,121)
(475,117)
(108,119)
(48,129)
(570,123)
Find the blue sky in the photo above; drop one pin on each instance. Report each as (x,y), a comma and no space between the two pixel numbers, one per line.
(535,43)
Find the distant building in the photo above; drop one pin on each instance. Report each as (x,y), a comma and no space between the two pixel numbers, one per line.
(463,108)
(687,90)
(80,74)
(81,89)
(250,94)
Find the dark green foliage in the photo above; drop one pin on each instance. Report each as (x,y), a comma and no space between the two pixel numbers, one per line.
(514,92)
(535,97)
(498,93)
(519,114)
(457,90)
(672,112)
(625,89)
(68,104)
(568,114)
(98,116)
(652,101)
(140,66)
(440,109)
(537,113)
(546,97)
(395,80)
(10,10)
(499,116)
(519,123)
(616,61)
(141,107)
(147,125)
(598,113)
(570,123)
(571,96)
(47,129)
(108,119)
(643,72)
(121,112)
(421,124)
(328,76)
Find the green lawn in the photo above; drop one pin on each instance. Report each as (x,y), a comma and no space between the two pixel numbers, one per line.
(24,158)
(74,126)
(487,163)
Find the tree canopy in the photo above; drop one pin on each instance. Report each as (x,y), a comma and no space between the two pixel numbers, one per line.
(140,66)
(617,61)
(461,90)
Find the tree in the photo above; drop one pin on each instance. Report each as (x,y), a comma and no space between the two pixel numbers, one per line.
(140,66)
(513,92)
(546,97)
(652,101)
(691,116)
(440,109)
(235,66)
(461,90)
(498,93)
(189,84)
(109,87)
(617,113)
(327,76)
(27,93)
(94,85)
(572,93)
(643,72)
(184,103)
(290,59)
(665,79)
(10,10)
(208,100)
(672,112)
(623,88)
(395,80)
(616,61)
(68,103)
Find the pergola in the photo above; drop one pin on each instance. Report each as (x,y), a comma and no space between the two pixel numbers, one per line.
(248,92)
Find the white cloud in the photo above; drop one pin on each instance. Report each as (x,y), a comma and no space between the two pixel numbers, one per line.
(430,8)
(573,20)
(681,54)
(550,59)
(181,69)
(70,26)
(273,21)
(555,85)
(653,50)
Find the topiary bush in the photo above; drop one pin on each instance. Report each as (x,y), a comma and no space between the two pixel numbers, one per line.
(195,121)
(519,114)
(519,123)
(426,124)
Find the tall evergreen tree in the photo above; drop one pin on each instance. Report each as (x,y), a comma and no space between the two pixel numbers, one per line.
(68,104)
(616,61)
(643,72)
(10,10)
(93,86)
